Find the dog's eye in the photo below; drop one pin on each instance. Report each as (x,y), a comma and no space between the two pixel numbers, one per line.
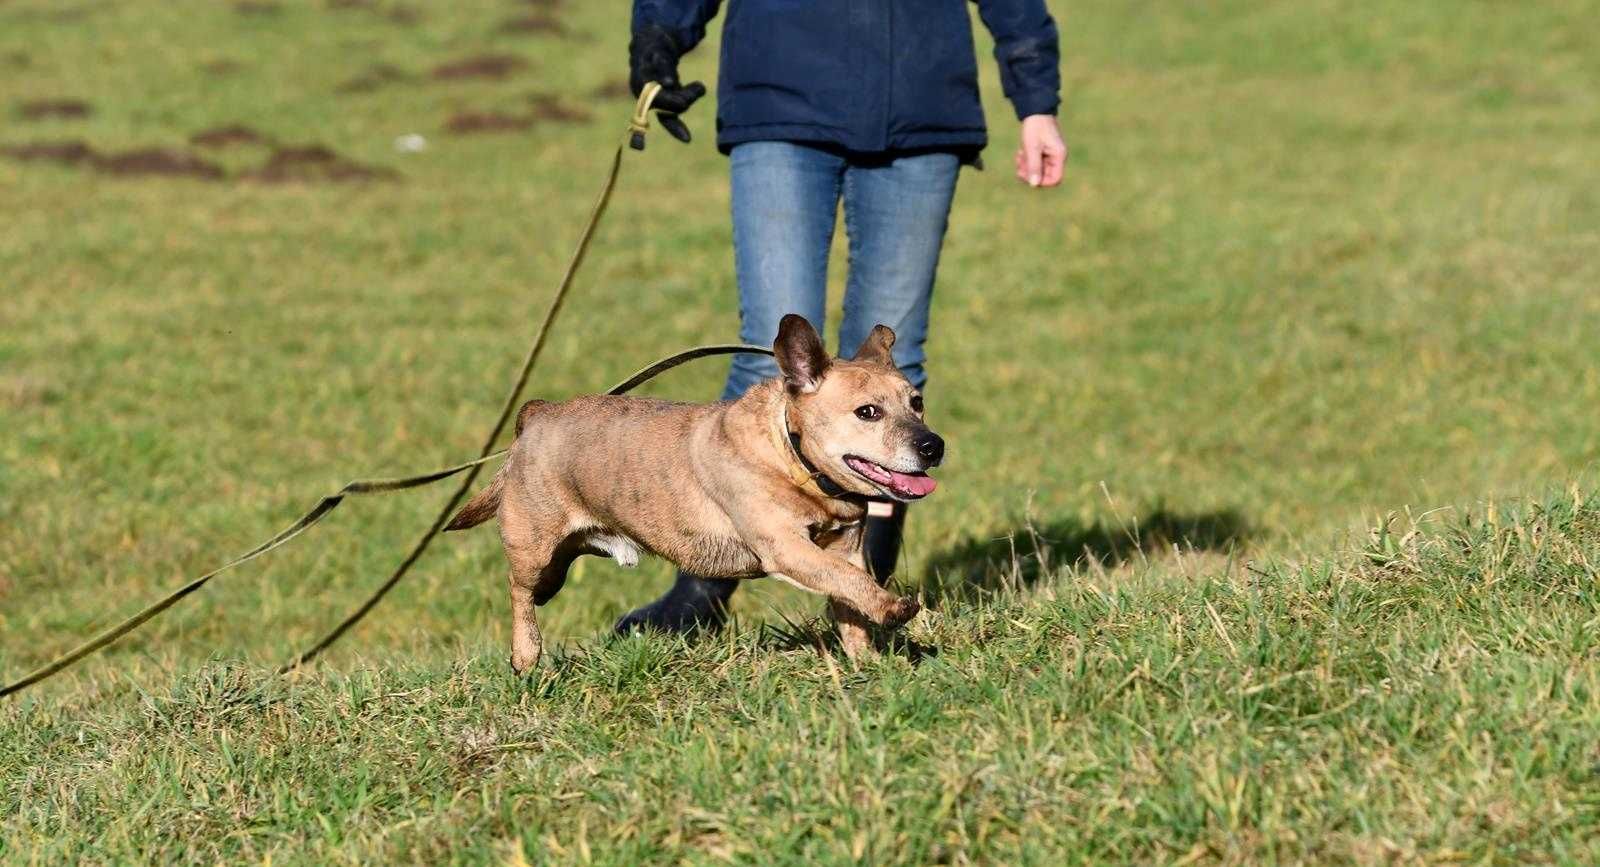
(869,412)
(916,403)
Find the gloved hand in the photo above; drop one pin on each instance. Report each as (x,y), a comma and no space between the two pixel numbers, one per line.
(653,56)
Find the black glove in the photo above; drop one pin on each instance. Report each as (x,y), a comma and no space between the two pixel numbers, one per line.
(653,56)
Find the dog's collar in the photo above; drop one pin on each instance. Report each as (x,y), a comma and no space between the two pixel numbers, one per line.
(802,472)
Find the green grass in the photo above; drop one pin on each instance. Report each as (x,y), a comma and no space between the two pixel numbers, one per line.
(1432,696)
(1313,263)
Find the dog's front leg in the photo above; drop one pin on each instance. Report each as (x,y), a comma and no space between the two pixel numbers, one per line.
(855,630)
(856,598)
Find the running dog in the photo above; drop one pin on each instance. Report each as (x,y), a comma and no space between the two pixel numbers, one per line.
(774,483)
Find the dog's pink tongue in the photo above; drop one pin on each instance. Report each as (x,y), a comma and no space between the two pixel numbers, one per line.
(916,486)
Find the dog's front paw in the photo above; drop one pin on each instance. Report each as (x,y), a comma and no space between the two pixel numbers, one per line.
(898,612)
(524,663)
(856,641)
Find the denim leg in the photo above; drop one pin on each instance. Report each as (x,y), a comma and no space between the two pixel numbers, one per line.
(895,213)
(785,196)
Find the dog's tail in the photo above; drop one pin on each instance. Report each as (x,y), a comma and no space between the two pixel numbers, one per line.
(481,507)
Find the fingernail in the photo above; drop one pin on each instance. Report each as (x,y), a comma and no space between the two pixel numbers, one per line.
(1033,180)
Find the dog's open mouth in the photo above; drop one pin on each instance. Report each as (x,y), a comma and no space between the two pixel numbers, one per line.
(911,486)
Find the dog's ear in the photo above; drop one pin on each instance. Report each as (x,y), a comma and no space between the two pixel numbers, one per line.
(876,347)
(801,355)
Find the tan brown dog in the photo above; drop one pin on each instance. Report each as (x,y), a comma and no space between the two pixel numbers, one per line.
(774,483)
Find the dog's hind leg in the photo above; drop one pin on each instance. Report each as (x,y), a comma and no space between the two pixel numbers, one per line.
(536,575)
(527,645)
(539,553)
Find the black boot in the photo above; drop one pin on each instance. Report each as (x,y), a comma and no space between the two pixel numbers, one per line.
(693,604)
(881,540)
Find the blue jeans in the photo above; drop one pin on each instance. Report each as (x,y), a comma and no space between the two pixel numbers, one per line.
(896,208)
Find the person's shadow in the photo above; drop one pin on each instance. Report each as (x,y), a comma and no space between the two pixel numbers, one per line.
(980,564)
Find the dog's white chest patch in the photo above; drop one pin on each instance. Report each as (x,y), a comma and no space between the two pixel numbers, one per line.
(618,547)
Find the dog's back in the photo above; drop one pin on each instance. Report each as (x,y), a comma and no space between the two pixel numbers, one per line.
(599,468)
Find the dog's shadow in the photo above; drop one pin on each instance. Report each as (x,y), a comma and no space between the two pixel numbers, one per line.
(979,565)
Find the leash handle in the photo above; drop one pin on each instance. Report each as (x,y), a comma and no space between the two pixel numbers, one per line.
(639,124)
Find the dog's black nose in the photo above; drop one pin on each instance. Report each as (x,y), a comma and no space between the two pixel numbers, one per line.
(930,446)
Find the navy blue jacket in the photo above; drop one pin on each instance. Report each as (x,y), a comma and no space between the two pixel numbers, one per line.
(866,75)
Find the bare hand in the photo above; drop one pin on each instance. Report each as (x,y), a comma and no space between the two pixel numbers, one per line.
(1043,155)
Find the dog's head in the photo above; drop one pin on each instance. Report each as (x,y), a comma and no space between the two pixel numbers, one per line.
(859,419)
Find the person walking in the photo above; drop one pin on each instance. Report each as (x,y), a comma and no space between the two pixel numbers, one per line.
(870,102)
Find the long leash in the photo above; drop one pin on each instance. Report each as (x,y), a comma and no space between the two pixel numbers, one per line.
(637,126)
(318,512)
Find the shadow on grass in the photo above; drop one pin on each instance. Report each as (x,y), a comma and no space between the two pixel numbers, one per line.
(1020,557)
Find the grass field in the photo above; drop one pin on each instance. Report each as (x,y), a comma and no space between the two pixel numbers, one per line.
(1316,268)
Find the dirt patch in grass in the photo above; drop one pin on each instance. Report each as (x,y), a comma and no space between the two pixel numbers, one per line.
(229,135)
(542,108)
(549,107)
(376,77)
(63,152)
(314,164)
(408,16)
(400,13)
(492,66)
(471,122)
(139,161)
(307,164)
(17,59)
(537,23)
(60,14)
(221,67)
(165,162)
(43,109)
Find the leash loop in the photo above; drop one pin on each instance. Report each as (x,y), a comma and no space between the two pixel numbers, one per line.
(639,124)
